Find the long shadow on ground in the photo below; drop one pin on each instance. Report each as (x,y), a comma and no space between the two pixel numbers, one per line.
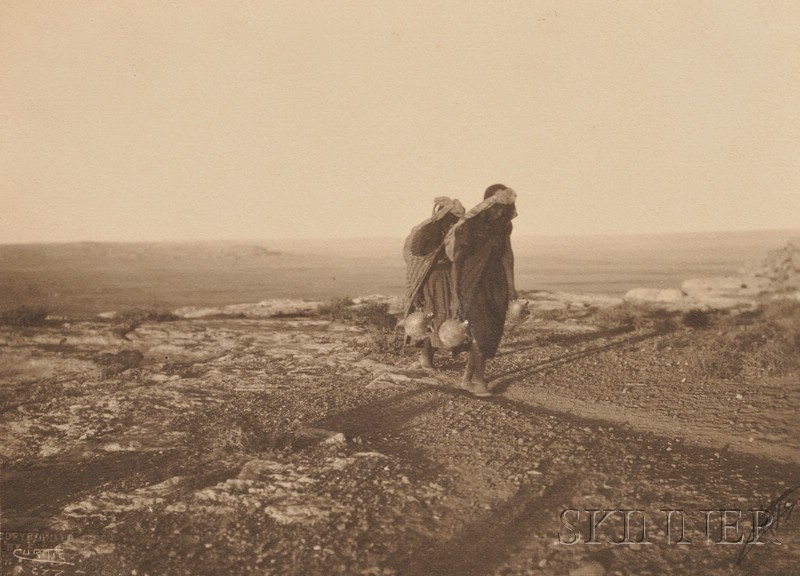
(504,379)
(562,339)
(389,416)
(31,494)
(493,538)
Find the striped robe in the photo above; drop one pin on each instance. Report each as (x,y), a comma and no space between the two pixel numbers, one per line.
(428,280)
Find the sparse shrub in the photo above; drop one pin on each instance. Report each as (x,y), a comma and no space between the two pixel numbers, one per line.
(374,314)
(554,314)
(627,316)
(696,319)
(373,317)
(661,320)
(141,315)
(774,357)
(718,363)
(384,340)
(762,349)
(782,310)
(123,360)
(23,316)
(618,317)
(380,327)
(130,320)
(336,309)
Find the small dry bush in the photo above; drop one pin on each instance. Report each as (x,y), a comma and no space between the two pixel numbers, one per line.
(336,309)
(697,319)
(767,345)
(118,363)
(627,316)
(374,314)
(661,320)
(554,314)
(24,316)
(622,316)
(380,326)
(783,311)
(374,317)
(142,315)
(129,320)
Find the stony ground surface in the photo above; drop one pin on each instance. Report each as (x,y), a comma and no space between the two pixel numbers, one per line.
(293,445)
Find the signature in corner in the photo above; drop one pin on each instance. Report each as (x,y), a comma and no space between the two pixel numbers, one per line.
(42,555)
(768,520)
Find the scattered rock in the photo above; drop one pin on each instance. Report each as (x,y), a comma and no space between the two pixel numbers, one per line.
(782,266)
(337,438)
(778,274)
(382,383)
(734,287)
(87,546)
(263,309)
(661,296)
(259,469)
(591,569)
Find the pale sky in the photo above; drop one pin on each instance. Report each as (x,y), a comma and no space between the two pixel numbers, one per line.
(196,120)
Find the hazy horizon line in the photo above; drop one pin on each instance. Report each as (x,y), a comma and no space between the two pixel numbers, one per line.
(363,238)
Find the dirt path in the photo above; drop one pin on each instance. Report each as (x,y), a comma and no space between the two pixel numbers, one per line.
(284,446)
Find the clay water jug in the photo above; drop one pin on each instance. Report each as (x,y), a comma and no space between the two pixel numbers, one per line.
(453,333)
(517,311)
(418,325)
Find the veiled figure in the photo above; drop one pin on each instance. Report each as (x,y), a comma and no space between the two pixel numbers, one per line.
(483,277)
(428,271)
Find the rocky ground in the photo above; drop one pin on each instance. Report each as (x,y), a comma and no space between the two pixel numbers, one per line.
(255,441)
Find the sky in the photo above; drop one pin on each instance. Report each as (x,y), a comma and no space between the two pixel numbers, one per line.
(248,120)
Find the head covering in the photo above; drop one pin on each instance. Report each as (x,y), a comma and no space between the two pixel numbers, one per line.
(442,205)
(492,189)
(505,196)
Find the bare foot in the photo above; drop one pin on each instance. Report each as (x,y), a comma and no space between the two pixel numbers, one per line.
(476,388)
(479,388)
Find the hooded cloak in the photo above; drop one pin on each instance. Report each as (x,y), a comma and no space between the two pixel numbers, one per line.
(428,277)
(481,248)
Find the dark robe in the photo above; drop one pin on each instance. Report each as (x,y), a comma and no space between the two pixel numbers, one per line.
(480,248)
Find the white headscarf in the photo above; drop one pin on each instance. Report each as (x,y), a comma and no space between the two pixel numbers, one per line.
(506,196)
(442,205)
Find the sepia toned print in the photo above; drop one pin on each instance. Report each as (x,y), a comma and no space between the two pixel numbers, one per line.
(232,343)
